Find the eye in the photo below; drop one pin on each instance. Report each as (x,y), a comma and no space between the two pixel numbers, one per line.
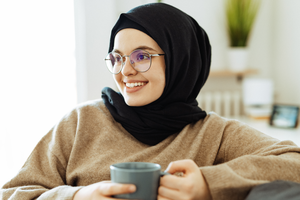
(116,59)
(142,56)
(112,59)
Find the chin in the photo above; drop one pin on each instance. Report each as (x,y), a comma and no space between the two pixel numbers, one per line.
(134,104)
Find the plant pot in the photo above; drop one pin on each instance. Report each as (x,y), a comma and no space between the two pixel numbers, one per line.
(238,58)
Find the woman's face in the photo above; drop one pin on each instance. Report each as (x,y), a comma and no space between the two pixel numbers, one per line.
(150,84)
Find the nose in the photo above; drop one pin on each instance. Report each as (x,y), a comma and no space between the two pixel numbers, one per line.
(127,69)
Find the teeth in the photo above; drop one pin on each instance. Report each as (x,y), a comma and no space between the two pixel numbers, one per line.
(131,85)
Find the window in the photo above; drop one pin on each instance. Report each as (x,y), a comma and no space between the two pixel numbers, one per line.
(37,75)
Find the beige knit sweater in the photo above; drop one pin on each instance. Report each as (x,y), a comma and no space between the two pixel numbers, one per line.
(78,151)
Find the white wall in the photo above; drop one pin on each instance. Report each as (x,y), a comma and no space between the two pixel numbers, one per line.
(211,16)
(93,22)
(37,75)
(273,44)
(286,55)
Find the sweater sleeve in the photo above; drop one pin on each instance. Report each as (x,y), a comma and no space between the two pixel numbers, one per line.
(247,158)
(43,175)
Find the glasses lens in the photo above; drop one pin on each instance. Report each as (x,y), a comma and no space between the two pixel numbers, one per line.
(140,60)
(114,62)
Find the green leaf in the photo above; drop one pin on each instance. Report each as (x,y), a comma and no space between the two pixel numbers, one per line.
(240,16)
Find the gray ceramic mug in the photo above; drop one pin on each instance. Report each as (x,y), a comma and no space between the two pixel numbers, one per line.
(145,176)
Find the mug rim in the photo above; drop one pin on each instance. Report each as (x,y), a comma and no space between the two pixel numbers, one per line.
(155,167)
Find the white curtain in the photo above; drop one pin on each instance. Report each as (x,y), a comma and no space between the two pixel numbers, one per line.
(37,75)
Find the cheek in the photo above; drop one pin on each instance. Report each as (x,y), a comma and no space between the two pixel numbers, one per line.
(162,77)
(118,80)
(163,84)
(162,73)
(160,82)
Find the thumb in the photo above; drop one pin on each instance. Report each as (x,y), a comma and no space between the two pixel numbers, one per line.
(185,166)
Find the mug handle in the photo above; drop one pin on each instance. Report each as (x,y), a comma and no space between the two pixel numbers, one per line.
(164,173)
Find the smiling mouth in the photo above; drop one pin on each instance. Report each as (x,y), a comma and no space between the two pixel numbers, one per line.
(137,84)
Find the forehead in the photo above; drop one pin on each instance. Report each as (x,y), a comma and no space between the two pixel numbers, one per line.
(129,39)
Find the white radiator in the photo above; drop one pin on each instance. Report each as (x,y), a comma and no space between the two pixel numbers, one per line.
(225,103)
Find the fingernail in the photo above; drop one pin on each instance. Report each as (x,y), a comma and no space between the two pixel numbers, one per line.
(132,188)
(168,168)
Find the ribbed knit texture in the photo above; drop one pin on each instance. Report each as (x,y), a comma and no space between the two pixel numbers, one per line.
(78,151)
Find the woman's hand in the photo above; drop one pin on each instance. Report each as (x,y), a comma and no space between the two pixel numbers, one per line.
(103,190)
(191,185)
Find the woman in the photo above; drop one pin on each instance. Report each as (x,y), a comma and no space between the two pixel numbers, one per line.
(160,59)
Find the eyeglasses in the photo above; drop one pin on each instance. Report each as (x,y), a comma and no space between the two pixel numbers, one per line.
(140,60)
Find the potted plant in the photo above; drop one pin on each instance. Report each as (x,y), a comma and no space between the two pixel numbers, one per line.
(240,16)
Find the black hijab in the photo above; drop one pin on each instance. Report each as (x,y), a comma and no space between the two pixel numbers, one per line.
(187,58)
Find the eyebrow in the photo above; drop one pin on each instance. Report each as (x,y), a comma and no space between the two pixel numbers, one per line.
(139,47)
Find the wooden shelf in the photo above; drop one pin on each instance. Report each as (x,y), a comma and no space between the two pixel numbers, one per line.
(222,73)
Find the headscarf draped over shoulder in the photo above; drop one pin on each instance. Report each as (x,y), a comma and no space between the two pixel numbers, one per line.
(187,58)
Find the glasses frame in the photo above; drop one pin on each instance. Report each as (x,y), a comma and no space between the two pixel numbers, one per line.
(124,60)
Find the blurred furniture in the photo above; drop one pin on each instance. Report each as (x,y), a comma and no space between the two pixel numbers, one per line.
(262,125)
(229,73)
(258,97)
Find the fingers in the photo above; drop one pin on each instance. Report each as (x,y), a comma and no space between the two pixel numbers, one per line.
(162,198)
(103,190)
(185,166)
(171,182)
(166,193)
(188,167)
(109,189)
